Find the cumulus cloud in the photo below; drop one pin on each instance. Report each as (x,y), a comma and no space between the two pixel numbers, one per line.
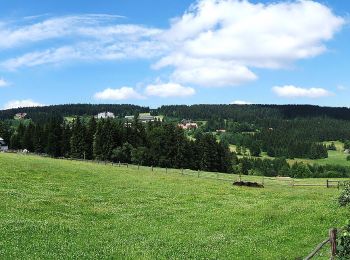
(22,103)
(118,94)
(241,102)
(3,83)
(291,91)
(230,37)
(166,90)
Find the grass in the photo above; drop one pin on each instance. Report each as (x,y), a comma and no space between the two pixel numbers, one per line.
(337,157)
(64,209)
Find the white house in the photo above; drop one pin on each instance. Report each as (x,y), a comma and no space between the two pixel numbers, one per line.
(20,115)
(105,115)
(144,118)
(3,145)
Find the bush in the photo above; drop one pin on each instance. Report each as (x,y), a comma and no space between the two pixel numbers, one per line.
(343,242)
(344,198)
(348,158)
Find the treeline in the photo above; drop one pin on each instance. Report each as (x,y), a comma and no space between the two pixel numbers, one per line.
(153,144)
(280,167)
(295,138)
(246,113)
(42,114)
(252,113)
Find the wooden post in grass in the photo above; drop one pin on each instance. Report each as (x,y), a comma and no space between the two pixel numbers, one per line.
(119,164)
(333,242)
(182,171)
(327,184)
(127,165)
(152,168)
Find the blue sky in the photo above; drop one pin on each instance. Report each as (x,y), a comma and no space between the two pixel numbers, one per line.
(174,52)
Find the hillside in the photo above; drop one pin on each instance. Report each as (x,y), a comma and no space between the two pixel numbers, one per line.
(60,209)
(247,113)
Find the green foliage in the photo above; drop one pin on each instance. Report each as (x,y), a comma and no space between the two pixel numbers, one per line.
(344,198)
(343,242)
(332,147)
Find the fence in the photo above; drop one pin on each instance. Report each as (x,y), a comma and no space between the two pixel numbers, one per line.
(332,240)
(327,184)
(280,181)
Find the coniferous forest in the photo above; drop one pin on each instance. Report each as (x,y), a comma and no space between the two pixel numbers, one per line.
(282,132)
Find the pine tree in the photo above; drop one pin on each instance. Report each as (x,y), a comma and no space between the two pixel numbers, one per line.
(77,140)
(90,133)
(54,137)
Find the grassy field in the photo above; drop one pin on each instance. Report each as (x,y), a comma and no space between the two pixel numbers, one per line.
(65,209)
(337,157)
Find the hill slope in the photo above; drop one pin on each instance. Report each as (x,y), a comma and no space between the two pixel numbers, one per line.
(62,209)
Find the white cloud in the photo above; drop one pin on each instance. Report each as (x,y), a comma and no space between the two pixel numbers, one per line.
(118,94)
(240,102)
(215,43)
(3,83)
(291,91)
(86,38)
(226,38)
(22,103)
(101,27)
(169,90)
(206,72)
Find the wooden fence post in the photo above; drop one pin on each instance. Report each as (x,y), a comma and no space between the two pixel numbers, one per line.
(327,184)
(119,164)
(182,171)
(152,168)
(198,173)
(333,242)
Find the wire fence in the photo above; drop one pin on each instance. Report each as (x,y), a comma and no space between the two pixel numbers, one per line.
(225,177)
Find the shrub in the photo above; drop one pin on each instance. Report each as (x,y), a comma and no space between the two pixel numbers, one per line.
(343,242)
(344,198)
(348,158)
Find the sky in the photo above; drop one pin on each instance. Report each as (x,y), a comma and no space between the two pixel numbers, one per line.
(159,52)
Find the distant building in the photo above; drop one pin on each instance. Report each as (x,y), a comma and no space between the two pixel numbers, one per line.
(105,115)
(3,145)
(144,118)
(187,125)
(20,115)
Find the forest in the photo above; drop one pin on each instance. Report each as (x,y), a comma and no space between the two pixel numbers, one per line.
(155,144)
(280,131)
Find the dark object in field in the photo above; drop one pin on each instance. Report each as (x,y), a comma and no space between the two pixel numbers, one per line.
(248,184)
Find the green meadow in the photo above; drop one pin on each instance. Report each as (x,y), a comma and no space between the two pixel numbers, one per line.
(337,157)
(52,209)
